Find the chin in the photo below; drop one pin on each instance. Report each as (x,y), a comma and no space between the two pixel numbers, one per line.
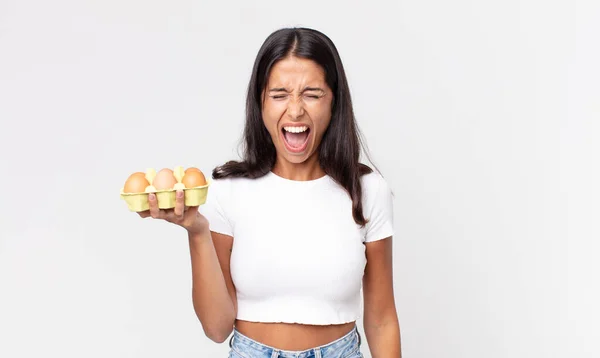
(296,158)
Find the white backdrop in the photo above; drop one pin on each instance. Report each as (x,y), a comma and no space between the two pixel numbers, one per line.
(481,115)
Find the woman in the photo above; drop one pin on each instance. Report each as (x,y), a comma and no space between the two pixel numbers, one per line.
(289,234)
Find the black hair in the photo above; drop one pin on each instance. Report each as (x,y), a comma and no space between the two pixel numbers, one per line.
(339,151)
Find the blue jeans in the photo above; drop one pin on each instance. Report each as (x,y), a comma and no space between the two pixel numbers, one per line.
(346,347)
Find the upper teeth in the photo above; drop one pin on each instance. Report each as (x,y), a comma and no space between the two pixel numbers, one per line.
(296,129)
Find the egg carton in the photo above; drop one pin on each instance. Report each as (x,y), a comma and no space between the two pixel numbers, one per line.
(166,199)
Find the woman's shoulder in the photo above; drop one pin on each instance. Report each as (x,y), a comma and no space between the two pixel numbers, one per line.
(223,185)
(379,207)
(375,186)
(372,180)
(227,185)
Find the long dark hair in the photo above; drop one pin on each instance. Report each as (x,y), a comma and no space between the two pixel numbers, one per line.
(339,151)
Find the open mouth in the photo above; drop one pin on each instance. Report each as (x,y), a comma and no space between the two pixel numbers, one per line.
(295,138)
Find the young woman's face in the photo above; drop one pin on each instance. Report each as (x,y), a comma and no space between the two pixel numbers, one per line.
(296,108)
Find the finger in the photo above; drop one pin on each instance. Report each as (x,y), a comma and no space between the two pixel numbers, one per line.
(179,204)
(154,211)
(144,214)
(169,215)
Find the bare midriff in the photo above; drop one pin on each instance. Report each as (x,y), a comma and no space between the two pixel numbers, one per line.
(292,337)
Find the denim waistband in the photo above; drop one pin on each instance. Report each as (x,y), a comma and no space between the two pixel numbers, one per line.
(350,341)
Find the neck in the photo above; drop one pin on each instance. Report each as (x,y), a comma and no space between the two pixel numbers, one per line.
(307,170)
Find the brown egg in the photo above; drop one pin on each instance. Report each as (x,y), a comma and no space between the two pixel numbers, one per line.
(136,183)
(193,177)
(193,169)
(164,179)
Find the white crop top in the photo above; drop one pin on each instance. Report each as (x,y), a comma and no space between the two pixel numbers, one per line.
(298,256)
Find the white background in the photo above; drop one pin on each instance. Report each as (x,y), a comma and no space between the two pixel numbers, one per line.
(482,115)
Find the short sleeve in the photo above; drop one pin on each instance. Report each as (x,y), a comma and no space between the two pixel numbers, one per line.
(380,208)
(214,208)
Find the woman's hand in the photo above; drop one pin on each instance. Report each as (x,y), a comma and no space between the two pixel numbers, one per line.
(187,217)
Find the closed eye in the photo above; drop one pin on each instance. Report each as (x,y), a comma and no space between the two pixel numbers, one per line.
(313,96)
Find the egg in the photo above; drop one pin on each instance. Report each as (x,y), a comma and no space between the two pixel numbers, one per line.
(136,183)
(193,177)
(193,169)
(164,179)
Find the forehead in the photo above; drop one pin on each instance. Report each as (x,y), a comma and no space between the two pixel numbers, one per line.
(294,71)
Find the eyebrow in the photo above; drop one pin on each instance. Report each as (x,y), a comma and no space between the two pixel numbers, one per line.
(281,89)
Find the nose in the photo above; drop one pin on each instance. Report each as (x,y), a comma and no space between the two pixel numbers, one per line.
(295,108)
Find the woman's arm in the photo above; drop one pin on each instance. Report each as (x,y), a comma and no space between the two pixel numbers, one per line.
(213,293)
(380,317)
(212,289)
